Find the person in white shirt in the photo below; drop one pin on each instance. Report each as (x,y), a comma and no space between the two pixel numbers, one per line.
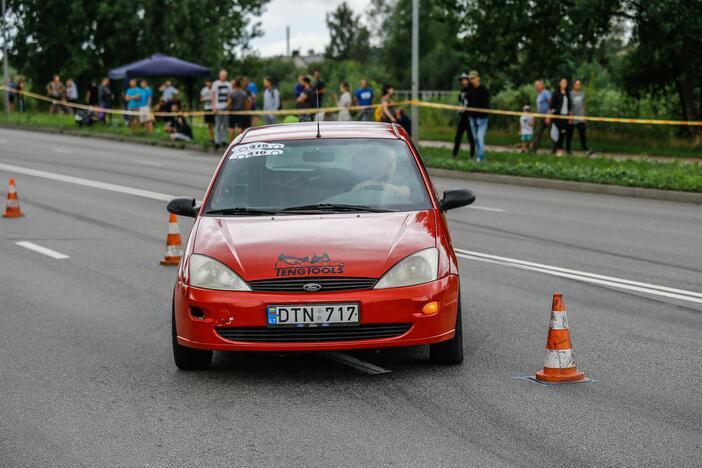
(221,90)
(271,100)
(526,128)
(344,102)
(206,100)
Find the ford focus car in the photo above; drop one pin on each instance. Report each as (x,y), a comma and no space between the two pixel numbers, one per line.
(318,238)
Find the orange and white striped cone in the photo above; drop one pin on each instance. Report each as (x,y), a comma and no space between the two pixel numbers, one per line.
(12,210)
(174,245)
(559,364)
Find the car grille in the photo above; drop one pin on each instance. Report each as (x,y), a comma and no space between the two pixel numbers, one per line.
(314,334)
(297,284)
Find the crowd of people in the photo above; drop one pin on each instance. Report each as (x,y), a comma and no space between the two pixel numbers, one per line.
(217,98)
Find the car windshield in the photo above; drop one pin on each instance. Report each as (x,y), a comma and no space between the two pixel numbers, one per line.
(333,175)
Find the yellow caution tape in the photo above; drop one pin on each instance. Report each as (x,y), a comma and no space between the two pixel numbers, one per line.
(425,104)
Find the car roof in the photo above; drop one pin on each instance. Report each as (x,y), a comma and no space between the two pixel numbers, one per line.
(308,131)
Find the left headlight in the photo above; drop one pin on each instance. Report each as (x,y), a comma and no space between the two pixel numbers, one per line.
(208,273)
(420,267)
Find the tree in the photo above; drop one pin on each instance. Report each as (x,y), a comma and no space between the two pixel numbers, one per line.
(85,38)
(349,39)
(666,48)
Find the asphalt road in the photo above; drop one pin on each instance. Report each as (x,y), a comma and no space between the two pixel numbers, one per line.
(87,378)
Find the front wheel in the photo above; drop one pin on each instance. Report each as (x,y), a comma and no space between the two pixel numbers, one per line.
(188,358)
(451,351)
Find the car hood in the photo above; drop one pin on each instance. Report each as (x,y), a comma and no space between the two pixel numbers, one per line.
(349,244)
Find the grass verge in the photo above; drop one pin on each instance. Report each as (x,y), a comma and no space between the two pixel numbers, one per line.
(629,173)
(632,173)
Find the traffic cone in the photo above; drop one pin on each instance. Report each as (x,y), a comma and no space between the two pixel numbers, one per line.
(559,365)
(12,210)
(174,245)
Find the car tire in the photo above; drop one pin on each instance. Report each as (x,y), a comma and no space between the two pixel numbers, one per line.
(449,352)
(188,358)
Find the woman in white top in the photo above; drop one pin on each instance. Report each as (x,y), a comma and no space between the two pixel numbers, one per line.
(344,102)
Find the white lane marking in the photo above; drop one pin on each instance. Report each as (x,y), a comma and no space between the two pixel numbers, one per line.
(42,250)
(351,361)
(585,277)
(148,163)
(58,149)
(87,182)
(485,208)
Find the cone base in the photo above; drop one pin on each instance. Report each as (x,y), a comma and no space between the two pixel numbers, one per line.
(13,215)
(171,261)
(570,378)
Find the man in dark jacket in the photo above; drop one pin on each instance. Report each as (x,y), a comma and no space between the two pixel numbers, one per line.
(463,119)
(479,97)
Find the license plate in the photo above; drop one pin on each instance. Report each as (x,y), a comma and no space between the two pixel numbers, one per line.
(312,315)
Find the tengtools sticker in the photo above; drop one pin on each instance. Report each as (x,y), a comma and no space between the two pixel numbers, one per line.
(252,150)
(289,265)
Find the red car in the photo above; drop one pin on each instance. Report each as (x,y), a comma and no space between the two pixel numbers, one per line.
(313,239)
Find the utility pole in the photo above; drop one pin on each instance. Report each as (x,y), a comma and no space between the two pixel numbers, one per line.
(5,71)
(415,70)
(287,41)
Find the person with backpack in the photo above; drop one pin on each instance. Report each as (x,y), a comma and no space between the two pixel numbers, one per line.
(386,111)
(271,100)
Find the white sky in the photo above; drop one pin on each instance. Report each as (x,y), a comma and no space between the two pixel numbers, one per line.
(307,21)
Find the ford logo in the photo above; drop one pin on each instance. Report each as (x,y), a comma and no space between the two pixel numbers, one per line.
(311,287)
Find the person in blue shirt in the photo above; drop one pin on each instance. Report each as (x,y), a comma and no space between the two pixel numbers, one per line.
(364,97)
(543,104)
(300,86)
(145,115)
(133,97)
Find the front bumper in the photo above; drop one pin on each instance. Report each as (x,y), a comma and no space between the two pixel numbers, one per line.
(215,310)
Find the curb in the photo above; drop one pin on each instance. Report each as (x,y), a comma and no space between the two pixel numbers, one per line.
(586,187)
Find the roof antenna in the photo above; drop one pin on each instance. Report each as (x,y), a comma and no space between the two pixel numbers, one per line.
(316,116)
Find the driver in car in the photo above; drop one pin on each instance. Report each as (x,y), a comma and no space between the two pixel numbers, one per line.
(378,167)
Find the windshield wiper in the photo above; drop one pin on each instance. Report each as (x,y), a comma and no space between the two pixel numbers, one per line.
(335,207)
(240,211)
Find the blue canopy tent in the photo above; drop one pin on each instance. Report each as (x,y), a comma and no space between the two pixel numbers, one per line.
(161,65)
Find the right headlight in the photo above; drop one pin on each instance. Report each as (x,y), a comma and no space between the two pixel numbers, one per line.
(420,267)
(208,273)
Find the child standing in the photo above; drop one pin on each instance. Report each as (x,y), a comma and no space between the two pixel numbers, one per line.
(526,129)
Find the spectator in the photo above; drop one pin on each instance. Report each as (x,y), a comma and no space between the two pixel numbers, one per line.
(299,86)
(319,89)
(344,102)
(479,98)
(463,118)
(543,104)
(561,105)
(577,97)
(403,120)
(252,90)
(364,97)
(133,98)
(168,91)
(11,91)
(306,99)
(240,101)
(387,107)
(20,94)
(105,98)
(71,93)
(56,91)
(206,100)
(91,95)
(271,100)
(179,128)
(221,89)
(526,128)
(145,116)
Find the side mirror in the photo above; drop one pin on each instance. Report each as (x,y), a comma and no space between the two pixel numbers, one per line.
(456,198)
(183,207)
